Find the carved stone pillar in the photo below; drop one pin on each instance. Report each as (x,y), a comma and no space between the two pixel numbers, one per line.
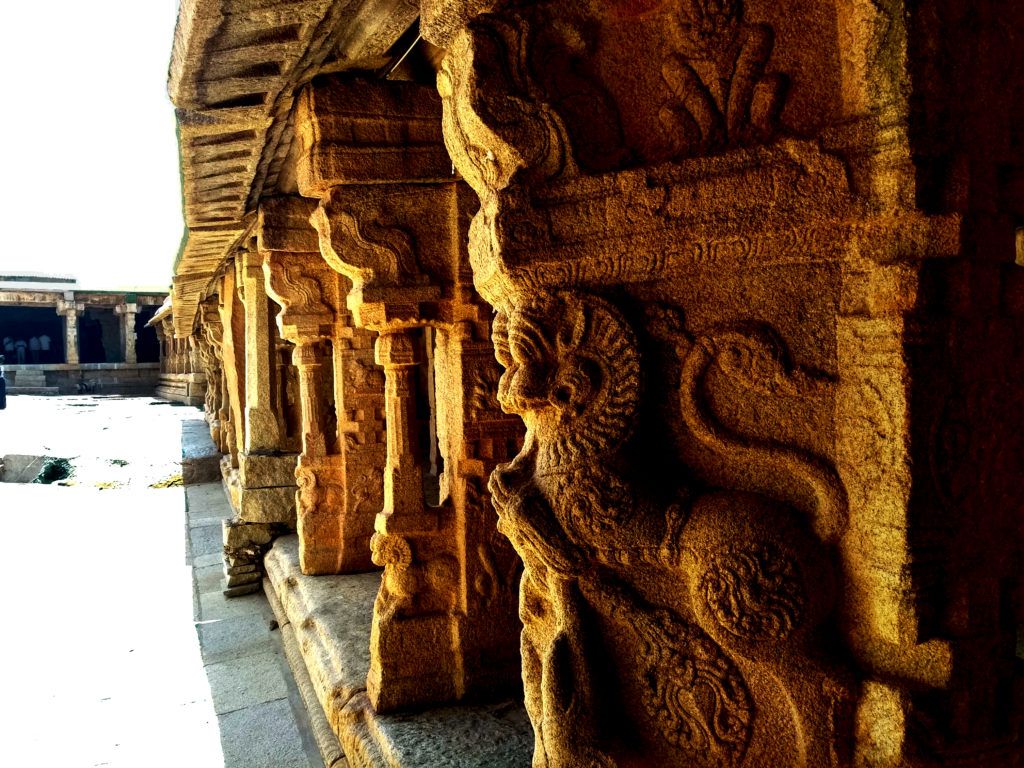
(127,313)
(70,310)
(393,221)
(339,470)
(216,392)
(261,429)
(741,255)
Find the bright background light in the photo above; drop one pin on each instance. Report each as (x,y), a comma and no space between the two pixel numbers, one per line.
(90,156)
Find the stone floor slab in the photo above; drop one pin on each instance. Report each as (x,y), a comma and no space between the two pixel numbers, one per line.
(209,578)
(331,618)
(494,736)
(206,540)
(263,736)
(245,682)
(236,638)
(214,605)
(214,558)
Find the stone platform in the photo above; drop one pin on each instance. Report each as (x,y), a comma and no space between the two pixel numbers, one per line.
(91,378)
(45,391)
(331,618)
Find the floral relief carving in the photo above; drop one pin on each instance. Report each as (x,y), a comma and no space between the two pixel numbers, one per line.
(723,96)
(483,392)
(754,591)
(363,377)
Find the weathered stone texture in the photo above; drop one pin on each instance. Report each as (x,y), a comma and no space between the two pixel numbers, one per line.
(665,357)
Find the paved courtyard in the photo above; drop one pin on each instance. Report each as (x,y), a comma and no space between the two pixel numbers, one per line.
(120,649)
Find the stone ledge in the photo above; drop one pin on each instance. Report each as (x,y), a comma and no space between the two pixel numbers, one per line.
(487,736)
(331,617)
(200,459)
(81,366)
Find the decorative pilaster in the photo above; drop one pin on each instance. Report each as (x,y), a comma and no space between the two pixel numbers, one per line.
(397,230)
(762,513)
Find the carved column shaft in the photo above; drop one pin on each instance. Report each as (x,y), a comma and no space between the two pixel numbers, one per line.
(396,352)
(339,470)
(127,313)
(308,358)
(261,428)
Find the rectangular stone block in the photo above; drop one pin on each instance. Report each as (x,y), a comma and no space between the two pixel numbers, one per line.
(237,535)
(259,471)
(268,505)
(242,578)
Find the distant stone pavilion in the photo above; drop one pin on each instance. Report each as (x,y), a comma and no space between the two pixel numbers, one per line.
(60,339)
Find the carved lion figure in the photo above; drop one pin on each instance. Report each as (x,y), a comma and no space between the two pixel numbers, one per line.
(742,557)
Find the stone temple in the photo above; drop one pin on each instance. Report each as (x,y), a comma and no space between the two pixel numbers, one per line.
(58,338)
(617,383)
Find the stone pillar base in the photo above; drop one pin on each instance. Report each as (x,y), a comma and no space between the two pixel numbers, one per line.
(331,617)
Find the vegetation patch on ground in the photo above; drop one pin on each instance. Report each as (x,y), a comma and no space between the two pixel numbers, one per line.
(54,470)
(174,481)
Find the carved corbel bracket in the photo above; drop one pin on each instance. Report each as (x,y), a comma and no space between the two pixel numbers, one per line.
(70,308)
(309,292)
(396,243)
(211,324)
(296,276)
(498,123)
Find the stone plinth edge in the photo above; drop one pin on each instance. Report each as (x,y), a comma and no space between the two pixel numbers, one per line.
(329,619)
(200,459)
(326,741)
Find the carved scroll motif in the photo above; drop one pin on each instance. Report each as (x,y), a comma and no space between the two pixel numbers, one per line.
(364,245)
(692,690)
(754,591)
(306,291)
(498,122)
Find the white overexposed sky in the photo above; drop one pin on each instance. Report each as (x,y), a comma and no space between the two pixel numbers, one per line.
(90,159)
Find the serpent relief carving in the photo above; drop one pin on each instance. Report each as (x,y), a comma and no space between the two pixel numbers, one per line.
(744,560)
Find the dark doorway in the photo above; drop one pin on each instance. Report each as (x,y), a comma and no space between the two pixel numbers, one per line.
(147,345)
(99,336)
(23,324)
